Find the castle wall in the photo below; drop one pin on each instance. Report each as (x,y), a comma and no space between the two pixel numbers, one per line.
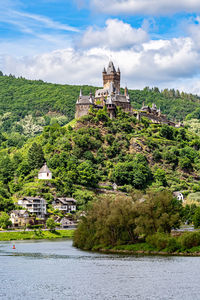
(155,118)
(82,110)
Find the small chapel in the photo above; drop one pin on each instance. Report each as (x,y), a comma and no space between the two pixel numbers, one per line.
(108,96)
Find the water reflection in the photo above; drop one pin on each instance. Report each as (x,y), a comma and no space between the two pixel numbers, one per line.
(56,270)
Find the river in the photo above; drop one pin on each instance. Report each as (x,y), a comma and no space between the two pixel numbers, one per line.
(54,270)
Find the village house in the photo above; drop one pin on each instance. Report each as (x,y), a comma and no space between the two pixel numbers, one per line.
(21,218)
(45,173)
(178,195)
(66,205)
(35,205)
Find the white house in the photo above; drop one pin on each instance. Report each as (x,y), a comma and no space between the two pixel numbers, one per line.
(64,204)
(178,195)
(45,173)
(35,205)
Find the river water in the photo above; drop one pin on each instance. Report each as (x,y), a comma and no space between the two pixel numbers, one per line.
(55,270)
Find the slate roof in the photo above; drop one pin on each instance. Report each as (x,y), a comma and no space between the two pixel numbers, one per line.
(20,212)
(44,169)
(65,200)
(111,68)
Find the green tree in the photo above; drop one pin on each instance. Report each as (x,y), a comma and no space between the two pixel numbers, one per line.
(35,156)
(158,212)
(109,221)
(196,218)
(87,174)
(5,220)
(51,224)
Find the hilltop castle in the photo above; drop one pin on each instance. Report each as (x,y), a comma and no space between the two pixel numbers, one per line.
(109,96)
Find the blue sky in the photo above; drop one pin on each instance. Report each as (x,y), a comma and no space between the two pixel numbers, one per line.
(155,43)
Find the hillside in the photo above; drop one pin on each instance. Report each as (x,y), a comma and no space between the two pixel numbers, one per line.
(26,106)
(99,151)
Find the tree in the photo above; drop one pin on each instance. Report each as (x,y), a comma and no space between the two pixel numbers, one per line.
(167,132)
(158,212)
(160,176)
(51,224)
(136,172)
(109,221)
(5,220)
(87,174)
(196,218)
(35,156)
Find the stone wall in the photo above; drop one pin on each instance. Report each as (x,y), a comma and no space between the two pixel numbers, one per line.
(82,110)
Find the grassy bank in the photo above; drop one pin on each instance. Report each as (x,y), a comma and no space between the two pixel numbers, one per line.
(33,235)
(146,249)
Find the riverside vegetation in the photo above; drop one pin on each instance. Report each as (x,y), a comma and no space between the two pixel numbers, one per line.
(35,235)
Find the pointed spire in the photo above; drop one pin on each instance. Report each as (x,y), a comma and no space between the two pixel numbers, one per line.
(118,70)
(80,93)
(111,68)
(104,70)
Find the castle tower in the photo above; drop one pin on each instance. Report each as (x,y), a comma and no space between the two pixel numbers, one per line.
(111,75)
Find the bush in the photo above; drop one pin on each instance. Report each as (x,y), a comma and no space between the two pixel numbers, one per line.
(163,241)
(158,240)
(189,240)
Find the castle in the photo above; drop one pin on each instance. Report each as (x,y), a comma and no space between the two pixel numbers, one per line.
(111,97)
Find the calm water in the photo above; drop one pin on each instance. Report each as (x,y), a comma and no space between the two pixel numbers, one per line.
(55,270)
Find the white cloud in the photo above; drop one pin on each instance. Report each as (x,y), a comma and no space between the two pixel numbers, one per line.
(145,7)
(160,63)
(143,62)
(115,35)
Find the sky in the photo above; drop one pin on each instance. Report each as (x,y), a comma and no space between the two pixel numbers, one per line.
(154,42)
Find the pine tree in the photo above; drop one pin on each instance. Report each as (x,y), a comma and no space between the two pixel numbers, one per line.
(36,156)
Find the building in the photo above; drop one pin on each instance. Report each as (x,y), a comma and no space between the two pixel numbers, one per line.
(178,195)
(66,205)
(154,115)
(45,173)
(21,218)
(35,205)
(108,96)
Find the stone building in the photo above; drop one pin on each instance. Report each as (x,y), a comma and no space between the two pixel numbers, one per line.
(154,115)
(108,96)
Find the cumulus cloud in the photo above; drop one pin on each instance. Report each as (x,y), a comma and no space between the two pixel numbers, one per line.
(115,35)
(145,7)
(159,63)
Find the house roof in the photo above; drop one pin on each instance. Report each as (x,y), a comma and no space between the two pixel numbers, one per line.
(85,100)
(44,169)
(64,200)
(20,212)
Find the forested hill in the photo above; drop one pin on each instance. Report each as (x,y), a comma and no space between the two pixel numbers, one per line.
(26,106)
(97,152)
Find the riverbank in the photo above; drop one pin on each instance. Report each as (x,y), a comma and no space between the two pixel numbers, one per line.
(146,249)
(36,235)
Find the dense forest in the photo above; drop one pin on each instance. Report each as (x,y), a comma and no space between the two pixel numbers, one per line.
(26,106)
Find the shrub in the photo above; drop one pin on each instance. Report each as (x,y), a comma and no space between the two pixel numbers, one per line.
(158,240)
(189,240)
